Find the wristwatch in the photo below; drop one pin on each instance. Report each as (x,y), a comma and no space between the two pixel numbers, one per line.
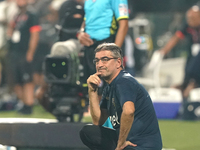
(81,30)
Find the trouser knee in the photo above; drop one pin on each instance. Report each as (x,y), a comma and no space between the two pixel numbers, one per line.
(84,132)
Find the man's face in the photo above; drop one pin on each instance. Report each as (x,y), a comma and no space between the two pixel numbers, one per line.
(193,18)
(107,65)
(80,1)
(21,3)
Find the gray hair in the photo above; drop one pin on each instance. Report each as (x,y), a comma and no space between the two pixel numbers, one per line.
(112,47)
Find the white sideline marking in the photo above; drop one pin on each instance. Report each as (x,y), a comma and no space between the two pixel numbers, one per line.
(168,149)
(27,120)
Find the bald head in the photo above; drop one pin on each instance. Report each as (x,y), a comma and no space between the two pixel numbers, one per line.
(193,16)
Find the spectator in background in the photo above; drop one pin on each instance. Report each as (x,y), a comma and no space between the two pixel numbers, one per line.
(191,30)
(24,36)
(8,9)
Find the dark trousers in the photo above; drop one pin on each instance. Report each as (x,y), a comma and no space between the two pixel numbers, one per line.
(194,70)
(100,138)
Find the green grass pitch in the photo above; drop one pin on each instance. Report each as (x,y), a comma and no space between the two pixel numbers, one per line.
(176,134)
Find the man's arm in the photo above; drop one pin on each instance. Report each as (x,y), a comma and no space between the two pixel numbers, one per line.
(126,122)
(32,46)
(171,43)
(83,37)
(98,116)
(122,31)
(42,96)
(10,29)
(82,27)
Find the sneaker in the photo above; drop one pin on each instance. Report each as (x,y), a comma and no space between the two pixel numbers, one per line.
(26,110)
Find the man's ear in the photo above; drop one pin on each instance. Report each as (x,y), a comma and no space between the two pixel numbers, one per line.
(119,63)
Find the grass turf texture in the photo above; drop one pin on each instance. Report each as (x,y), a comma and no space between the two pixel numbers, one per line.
(177,134)
(181,135)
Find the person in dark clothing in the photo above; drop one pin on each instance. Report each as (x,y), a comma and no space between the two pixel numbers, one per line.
(191,30)
(71,14)
(24,33)
(125,102)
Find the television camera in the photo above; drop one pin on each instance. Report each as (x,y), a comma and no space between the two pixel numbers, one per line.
(62,72)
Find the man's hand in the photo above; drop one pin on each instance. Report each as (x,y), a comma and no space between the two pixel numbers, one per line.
(163,52)
(39,94)
(29,56)
(126,143)
(85,39)
(93,82)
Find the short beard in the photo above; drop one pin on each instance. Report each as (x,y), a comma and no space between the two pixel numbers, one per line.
(105,77)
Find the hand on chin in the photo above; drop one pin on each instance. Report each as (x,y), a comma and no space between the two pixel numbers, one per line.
(101,72)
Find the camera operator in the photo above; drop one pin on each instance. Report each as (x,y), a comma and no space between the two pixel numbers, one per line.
(71,14)
(53,92)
